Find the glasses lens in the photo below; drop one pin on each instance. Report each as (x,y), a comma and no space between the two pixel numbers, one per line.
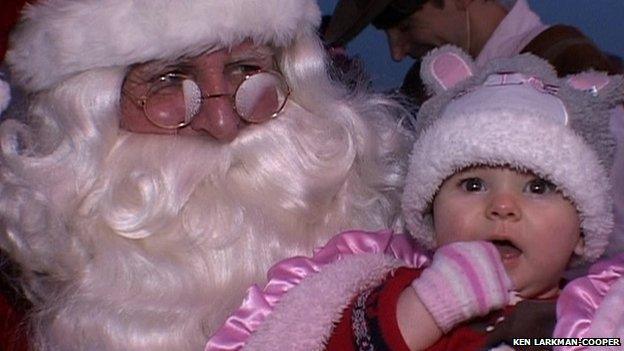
(261,97)
(166,105)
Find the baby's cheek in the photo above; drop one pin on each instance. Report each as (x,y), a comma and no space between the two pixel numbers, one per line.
(453,229)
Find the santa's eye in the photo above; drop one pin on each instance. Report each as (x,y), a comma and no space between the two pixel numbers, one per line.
(540,186)
(243,69)
(472,184)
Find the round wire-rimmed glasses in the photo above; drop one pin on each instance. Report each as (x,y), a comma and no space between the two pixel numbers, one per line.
(174,99)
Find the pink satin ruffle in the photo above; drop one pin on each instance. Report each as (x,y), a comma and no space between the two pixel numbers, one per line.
(582,304)
(288,273)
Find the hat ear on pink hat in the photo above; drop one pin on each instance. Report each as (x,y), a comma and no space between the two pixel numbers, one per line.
(514,112)
(446,70)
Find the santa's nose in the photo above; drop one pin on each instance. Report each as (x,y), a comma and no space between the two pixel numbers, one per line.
(217,118)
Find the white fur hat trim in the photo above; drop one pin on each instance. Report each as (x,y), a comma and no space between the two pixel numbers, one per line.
(521,138)
(58,38)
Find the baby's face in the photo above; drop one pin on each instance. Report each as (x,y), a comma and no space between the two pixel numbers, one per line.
(534,227)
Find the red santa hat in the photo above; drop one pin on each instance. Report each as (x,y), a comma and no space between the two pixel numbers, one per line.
(8,18)
(58,38)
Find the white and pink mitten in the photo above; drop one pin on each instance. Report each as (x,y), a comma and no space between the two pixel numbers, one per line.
(465,280)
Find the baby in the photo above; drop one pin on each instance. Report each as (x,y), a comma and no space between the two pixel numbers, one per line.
(507,186)
(496,228)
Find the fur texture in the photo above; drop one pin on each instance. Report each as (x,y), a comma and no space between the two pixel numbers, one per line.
(58,38)
(212,217)
(288,327)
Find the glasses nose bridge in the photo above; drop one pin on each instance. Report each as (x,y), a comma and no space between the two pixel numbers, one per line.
(215,84)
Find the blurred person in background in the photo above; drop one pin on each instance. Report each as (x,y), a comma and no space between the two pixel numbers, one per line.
(486,29)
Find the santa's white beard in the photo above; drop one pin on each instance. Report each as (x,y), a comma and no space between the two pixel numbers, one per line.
(163,244)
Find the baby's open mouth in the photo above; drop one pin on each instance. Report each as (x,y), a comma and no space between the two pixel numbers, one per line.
(507,249)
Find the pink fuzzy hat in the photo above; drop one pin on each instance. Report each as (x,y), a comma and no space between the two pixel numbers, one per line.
(515,112)
(58,38)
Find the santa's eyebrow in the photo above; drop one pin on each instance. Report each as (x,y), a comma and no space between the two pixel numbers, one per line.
(255,53)
(147,72)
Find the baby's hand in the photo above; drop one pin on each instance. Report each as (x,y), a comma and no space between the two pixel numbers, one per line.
(465,280)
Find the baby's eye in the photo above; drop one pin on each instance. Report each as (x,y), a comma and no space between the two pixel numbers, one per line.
(472,184)
(540,186)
